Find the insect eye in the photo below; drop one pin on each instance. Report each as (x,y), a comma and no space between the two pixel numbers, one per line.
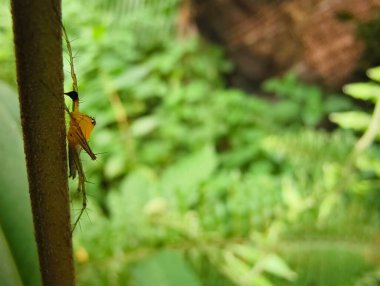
(93,121)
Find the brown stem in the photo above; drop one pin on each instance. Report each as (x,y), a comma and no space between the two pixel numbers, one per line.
(37,38)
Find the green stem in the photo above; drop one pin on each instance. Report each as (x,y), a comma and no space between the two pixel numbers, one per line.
(370,134)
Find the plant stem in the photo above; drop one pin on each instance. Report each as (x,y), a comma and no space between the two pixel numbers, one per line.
(37,38)
(370,134)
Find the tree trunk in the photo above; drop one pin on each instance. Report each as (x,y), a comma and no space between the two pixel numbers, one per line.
(37,37)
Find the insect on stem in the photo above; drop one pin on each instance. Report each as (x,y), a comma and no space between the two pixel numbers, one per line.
(80,128)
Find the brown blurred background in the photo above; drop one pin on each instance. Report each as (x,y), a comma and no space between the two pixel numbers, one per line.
(329,42)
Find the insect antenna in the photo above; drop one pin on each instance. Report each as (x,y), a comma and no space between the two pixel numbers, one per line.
(69,51)
(101,153)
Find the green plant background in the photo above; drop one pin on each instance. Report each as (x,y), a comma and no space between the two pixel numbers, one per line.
(197,183)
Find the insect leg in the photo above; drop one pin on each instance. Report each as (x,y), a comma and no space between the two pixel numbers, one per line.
(81,185)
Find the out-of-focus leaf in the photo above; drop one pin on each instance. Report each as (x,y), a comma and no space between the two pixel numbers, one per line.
(374,73)
(144,126)
(260,280)
(136,189)
(356,120)
(327,206)
(363,90)
(274,264)
(242,273)
(15,210)
(165,269)
(191,171)
(291,195)
(131,76)
(336,103)
(8,270)
(285,111)
(9,101)
(246,252)
(235,266)
(115,166)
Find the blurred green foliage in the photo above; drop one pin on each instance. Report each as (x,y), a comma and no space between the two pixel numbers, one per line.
(18,252)
(197,183)
(7,62)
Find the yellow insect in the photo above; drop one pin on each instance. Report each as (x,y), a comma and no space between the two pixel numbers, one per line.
(80,128)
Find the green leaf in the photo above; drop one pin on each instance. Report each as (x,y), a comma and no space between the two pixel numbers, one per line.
(363,90)
(144,125)
(15,210)
(165,269)
(115,166)
(327,206)
(191,171)
(355,120)
(246,252)
(374,73)
(242,272)
(336,103)
(274,264)
(8,98)
(235,267)
(291,195)
(135,193)
(8,270)
(131,76)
